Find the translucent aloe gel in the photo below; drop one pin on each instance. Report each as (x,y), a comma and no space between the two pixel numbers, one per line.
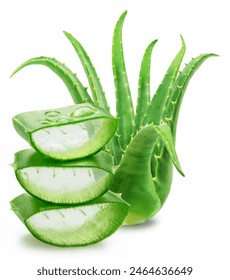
(67,133)
(65,182)
(75,225)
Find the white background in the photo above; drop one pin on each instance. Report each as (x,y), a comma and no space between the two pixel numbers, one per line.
(193,227)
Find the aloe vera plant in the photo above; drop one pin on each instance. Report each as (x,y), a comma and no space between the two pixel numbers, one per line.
(65,182)
(143,146)
(75,225)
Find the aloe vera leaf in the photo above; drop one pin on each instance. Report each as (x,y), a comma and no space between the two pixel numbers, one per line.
(68,182)
(124,104)
(133,178)
(94,82)
(67,133)
(156,107)
(143,98)
(77,90)
(75,225)
(171,112)
(161,165)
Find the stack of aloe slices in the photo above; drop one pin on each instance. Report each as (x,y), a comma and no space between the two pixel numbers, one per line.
(66,176)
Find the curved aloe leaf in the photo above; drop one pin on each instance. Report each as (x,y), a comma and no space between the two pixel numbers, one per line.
(133,178)
(67,133)
(172,110)
(143,98)
(123,97)
(161,165)
(68,182)
(94,82)
(155,109)
(78,225)
(77,90)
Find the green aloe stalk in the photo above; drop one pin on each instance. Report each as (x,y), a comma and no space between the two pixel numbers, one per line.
(94,82)
(143,99)
(124,103)
(144,143)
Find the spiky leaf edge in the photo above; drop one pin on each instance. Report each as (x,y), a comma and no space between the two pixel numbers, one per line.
(98,93)
(77,90)
(155,109)
(143,98)
(124,104)
(171,112)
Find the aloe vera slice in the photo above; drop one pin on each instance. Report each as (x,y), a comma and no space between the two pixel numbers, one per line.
(77,225)
(67,182)
(67,133)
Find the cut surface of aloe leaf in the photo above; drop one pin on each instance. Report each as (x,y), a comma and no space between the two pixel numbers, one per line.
(67,133)
(68,182)
(77,225)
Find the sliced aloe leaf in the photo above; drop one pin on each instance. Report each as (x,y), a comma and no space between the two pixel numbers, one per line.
(67,133)
(77,225)
(69,182)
